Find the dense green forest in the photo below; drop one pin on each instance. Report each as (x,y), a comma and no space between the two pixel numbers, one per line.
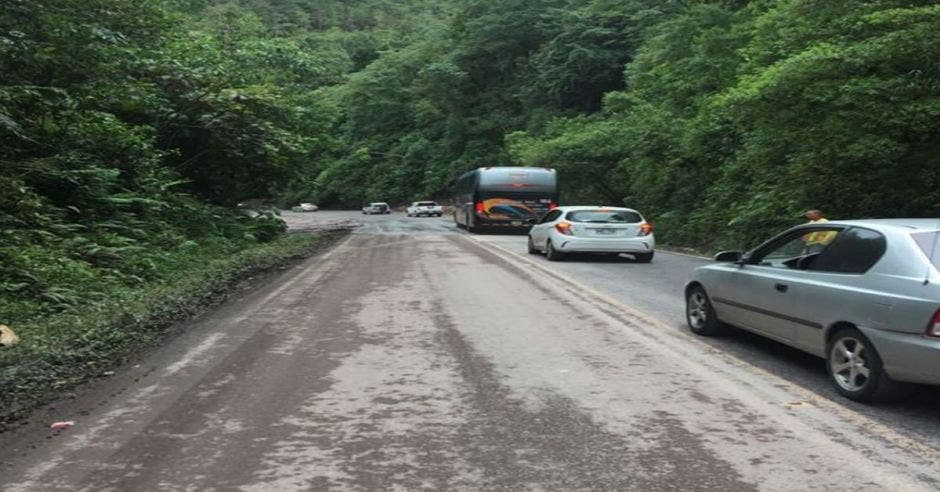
(720,119)
(130,129)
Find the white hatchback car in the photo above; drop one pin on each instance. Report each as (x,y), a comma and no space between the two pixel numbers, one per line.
(380,208)
(305,207)
(612,230)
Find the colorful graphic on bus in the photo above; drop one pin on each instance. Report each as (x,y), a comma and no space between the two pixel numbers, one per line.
(514,209)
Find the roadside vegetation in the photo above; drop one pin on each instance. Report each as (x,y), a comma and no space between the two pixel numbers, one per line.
(61,350)
(129,131)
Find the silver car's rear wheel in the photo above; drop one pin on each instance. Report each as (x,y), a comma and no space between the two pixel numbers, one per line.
(849,363)
(857,371)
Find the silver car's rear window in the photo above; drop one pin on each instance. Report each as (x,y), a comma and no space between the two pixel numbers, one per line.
(929,242)
(605,216)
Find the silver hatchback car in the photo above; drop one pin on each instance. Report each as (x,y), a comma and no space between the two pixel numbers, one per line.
(864,295)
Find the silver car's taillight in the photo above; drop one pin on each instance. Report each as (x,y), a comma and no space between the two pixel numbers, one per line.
(933,328)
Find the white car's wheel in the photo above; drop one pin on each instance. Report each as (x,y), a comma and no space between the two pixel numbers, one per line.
(643,257)
(530,247)
(551,253)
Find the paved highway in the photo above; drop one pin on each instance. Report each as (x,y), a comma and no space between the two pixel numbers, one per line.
(415,356)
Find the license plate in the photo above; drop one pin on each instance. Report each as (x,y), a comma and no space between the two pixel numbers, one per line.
(606,231)
(516,222)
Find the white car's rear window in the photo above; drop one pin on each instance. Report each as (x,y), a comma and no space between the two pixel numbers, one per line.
(929,243)
(601,216)
(426,204)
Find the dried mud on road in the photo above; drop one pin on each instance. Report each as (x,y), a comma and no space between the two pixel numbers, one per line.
(433,361)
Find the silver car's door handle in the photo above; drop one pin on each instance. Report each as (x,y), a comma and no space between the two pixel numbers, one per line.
(781,287)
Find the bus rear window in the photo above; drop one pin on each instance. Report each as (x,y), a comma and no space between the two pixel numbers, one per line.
(929,243)
(605,216)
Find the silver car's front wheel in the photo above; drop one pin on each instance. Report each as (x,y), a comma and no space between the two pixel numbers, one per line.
(697,310)
(699,313)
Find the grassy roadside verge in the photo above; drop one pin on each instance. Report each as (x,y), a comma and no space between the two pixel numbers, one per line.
(60,351)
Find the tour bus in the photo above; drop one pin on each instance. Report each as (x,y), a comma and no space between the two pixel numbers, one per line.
(504,197)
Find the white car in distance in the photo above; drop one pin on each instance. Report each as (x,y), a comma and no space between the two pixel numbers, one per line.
(425,208)
(611,230)
(305,207)
(380,208)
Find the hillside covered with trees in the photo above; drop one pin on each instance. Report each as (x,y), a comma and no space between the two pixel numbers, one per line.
(720,119)
(130,129)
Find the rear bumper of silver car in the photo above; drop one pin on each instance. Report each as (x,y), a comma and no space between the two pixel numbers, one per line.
(908,357)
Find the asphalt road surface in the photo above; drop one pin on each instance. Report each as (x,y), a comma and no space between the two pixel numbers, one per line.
(414,356)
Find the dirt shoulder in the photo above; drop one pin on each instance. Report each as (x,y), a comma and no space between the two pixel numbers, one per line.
(60,353)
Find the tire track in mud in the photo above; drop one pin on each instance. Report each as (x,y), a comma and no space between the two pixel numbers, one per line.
(560,447)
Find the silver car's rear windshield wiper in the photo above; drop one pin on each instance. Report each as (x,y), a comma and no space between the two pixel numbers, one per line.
(597,221)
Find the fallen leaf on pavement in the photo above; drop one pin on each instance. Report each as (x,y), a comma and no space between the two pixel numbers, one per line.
(62,425)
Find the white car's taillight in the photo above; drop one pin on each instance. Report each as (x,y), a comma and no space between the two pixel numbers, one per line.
(645,229)
(933,328)
(564,228)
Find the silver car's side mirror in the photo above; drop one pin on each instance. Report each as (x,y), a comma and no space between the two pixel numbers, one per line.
(729,256)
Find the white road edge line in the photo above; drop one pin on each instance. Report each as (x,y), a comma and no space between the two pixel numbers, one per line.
(665,249)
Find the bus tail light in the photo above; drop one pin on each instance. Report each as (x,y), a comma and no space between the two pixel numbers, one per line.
(564,228)
(645,229)
(480,208)
(933,328)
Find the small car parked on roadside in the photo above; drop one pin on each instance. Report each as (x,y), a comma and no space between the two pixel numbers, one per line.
(864,295)
(611,230)
(377,208)
(429,209)
(305,207)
